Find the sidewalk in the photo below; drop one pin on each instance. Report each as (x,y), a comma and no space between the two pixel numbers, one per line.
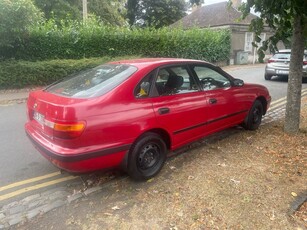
(15,95)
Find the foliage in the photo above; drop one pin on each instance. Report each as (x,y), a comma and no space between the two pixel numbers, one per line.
(15,18)
(196,2)
(77,40)
(18,74)
(60,9)
(281,21)
(110,12)
(132,9)
(159,13)
(286,18)
(155,13)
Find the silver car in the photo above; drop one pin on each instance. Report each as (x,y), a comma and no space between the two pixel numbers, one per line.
(278,65)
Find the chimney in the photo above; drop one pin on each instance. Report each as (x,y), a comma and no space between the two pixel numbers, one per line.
(195,7)
(236,3)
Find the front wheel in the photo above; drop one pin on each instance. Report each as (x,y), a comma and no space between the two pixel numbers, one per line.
(254,117)
(146,157)
(267,77)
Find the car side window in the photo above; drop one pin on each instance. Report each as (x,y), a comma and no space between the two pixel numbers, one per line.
(143,88)
(211,79)
(175,80)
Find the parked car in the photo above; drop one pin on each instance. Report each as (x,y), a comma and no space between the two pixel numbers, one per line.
(130,114)
(279,64)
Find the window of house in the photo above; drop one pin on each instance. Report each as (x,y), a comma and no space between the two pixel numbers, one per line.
(249,38)
(262,36)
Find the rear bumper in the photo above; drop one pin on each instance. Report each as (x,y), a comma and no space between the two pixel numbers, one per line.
(77,160)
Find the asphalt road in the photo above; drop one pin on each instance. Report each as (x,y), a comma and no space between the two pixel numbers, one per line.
(20,161)
(255,74)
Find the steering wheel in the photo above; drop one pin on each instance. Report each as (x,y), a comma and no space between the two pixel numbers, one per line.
(207,80)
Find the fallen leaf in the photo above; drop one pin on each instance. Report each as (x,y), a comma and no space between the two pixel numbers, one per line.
(235,181)
(294,194)
(115,208)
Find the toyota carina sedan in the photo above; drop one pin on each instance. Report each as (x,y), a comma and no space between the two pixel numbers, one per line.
(130,114)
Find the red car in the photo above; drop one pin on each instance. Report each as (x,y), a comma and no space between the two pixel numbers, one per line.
(129,114)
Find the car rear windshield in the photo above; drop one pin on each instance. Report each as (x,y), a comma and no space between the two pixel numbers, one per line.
(93,82)
(282,56)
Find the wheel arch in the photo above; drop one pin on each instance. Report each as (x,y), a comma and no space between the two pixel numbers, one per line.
(263,102)
(161,132)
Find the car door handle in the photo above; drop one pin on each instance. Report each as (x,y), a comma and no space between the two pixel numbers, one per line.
(212,101)
(163,111)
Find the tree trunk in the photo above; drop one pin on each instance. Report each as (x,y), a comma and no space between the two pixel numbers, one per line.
(293,107)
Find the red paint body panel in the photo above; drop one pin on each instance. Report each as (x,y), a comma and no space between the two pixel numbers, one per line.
(115,120)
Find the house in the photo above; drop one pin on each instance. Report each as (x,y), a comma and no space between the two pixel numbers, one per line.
(221,15)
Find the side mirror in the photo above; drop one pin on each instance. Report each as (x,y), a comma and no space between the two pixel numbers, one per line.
(238,82)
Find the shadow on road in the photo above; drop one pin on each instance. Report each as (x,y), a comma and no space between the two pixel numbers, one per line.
(284,79)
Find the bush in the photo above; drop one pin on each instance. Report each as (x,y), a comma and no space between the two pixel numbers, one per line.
(18,74)
(16,16)
(76,40)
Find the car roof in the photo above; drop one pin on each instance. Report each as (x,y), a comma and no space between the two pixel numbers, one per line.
(142,62)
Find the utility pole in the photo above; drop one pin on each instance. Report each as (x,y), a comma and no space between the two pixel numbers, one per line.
(84,5)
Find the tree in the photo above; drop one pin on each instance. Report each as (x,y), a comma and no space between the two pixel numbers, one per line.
(132,10)
(155,13)
(60,9)
(110,12)
(286,18)
(196,2)
(16,16)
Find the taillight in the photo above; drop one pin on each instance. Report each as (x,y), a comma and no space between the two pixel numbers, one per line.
(270,61)
(304,62)
(66,130)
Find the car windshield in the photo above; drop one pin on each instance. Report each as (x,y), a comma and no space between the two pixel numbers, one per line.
(93,82)
(282,56)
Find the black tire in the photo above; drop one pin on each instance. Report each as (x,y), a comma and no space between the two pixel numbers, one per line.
(254,117)
(146,157)
(267,77)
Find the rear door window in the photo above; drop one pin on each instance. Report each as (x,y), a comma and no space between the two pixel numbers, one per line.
(175,80)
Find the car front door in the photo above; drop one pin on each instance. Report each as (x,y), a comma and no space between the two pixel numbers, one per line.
(225,104)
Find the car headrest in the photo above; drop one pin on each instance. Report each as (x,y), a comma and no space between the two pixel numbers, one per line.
(174,82)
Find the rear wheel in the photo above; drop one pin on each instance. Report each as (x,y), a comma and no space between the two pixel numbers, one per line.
(254,117)
(267,77)
(146,157)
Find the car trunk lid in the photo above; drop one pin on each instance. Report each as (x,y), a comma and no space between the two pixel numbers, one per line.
(45,110)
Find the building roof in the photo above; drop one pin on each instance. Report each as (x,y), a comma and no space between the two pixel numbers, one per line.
(215,15)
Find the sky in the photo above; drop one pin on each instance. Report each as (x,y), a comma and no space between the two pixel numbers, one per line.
(208,2)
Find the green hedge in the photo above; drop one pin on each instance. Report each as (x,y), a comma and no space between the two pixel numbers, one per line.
(74,40)
(19,74)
